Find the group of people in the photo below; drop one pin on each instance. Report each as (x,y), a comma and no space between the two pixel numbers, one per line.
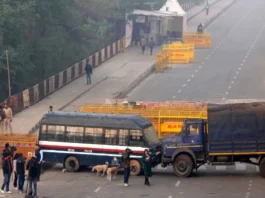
(6,116)
(147,159)
(151,45)
(17,165)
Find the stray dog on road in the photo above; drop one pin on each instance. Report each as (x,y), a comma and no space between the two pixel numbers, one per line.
(101,168)
(112,170)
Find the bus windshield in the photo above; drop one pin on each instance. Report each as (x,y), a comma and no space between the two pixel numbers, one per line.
(151,136)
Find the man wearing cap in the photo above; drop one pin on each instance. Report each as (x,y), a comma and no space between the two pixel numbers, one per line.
(7,168)
(39,157)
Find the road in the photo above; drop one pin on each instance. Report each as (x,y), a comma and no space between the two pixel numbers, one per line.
(232,69)
(237,182)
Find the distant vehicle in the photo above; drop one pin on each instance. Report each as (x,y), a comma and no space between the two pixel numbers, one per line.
(89,139)
(233,133)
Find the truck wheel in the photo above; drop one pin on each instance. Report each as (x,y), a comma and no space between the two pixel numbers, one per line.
(135,167)
(262,167)
(183,166)
(71,164)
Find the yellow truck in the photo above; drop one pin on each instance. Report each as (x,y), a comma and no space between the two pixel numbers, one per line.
(167,118)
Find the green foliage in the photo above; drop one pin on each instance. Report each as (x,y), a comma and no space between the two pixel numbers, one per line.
(43,37)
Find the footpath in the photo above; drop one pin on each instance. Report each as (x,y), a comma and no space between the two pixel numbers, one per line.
(115,77)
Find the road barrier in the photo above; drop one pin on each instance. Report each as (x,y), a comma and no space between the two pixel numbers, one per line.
(200,40)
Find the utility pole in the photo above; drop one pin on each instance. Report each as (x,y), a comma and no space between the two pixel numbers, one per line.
(8,74)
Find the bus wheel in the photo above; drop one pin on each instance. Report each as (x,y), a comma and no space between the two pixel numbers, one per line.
(71,164)
(135,167)
(183,166)
(262,167)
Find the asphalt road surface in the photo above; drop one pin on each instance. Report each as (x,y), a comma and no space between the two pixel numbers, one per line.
(233,68)
(233,181)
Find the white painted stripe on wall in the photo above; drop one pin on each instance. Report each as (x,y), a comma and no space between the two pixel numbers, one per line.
(241,167)
(220,167)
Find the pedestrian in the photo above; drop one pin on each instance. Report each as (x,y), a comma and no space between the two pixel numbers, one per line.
(143,44)
(8,119)
(21,172)
(39,157)
(32,167)
(126,161)
(50,109)
(7,168)
(2,118)
(89,72)
(147,164)
(15,182)
(151,45)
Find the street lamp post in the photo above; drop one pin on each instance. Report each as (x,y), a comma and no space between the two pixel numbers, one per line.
(8,74)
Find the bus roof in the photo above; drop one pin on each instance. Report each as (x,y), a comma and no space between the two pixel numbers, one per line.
(95,120)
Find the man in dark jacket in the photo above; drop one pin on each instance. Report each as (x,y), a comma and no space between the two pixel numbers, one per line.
(2,117)
(7,168)
(21,172)
(89,72)
(32,166)
(39,157)
(126,160)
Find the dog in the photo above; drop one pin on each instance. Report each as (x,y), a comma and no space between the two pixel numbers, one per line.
(101,168)
(112,170)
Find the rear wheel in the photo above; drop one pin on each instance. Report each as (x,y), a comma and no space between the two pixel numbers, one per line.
(71,164)
(262,167)
(183,166)
(135,167)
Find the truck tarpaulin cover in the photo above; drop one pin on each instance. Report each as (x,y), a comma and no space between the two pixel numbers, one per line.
(233,124)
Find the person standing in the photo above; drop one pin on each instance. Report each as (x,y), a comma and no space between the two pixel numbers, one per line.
(32,167)
(2,118)
(151,45)
(126,160)
(7,168)
(89,72)
(147,163)
(21,172)
(143,44)
(39,157)
(9,117)
(15,171)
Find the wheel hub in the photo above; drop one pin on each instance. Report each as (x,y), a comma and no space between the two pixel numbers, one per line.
(182,166)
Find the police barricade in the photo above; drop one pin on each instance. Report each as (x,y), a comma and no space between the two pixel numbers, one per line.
(187,48)
(200,40)
(161,61)
(178,56)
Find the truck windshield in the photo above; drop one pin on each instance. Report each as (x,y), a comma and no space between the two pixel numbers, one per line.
(151,136)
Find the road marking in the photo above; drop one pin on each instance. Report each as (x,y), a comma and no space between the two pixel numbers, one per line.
(242,65)
(226,93)
(192,75)
(202,63)
(247,194)
(237,73)
(174,97)
(234,77)
(98,189)
(229,87)
(177,184)
(188,80)
(244,60)
(170,196)
(232,82)
(184,85)
(239,68)
(196,71)
(179,90)
(200,66)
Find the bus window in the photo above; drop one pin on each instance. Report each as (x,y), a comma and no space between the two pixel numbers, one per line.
(43,132)
(111,136)
(74,134)
(123,137)
(136,138)
(93,135)
(55,133)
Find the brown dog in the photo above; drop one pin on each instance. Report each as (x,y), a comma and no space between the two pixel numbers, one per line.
(101,168)
(112,170)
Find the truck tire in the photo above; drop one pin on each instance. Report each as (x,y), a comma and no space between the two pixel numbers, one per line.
(262,167)
(135,167)
(71,164)
(183,165)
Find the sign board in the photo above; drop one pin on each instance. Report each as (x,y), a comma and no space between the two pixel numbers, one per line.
(171,127)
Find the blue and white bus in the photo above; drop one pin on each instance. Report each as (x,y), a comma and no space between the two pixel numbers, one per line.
(89,139)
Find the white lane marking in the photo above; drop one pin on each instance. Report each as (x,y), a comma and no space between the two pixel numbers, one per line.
(229,87)
(196,71)
(177,184)
(170,196)
(192,75)
(174,97)
(237,73)
(239,68)
(188,80)
(98,189)
(242,65)
(232,82)
(202,63)
(226,93)
(179,90)
(184,85)
(247,194)
(234,77)
(200,66)
(244,60)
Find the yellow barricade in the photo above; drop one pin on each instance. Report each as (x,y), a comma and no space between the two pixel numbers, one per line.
(187,48)
(178,56)
(200,40)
